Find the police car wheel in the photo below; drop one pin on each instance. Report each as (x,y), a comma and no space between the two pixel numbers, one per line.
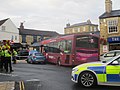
(87,79)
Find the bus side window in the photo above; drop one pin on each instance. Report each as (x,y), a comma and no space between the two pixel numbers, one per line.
(46,49)
(57,50)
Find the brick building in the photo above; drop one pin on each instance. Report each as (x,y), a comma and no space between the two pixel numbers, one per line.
(110,28)
(80,27)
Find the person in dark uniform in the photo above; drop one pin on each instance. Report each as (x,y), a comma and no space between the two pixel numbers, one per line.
(0,59)
(14,54)
(2,66)
(8,60)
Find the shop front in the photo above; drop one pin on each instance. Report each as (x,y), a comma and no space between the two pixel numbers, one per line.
(114,43)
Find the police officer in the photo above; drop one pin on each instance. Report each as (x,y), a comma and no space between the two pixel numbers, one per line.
(14,54)
(8,60)
(2,58)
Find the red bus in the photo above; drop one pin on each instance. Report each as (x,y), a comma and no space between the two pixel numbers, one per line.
(70,50)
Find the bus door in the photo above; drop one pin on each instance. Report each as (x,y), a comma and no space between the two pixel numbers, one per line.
(67,59)
(66,48)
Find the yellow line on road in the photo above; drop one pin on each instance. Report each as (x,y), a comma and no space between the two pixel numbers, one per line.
(21,85)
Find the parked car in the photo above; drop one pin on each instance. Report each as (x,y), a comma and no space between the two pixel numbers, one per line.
(22,54)
(98,73)
(110,54)
(32,51)
(36,57)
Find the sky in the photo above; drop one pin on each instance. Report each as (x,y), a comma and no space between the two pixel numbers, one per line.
(53,15)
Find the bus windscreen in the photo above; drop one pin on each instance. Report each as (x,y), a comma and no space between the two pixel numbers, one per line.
(87,42)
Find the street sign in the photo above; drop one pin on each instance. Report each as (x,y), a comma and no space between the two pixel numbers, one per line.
(105,48)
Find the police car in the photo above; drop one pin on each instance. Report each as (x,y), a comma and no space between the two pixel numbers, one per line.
(98,73)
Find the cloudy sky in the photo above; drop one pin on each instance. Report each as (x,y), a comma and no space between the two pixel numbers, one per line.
(52,14)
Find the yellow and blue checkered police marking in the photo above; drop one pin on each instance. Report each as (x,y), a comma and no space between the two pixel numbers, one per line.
(108,77)
(113,77)
(98,69)
(75,77)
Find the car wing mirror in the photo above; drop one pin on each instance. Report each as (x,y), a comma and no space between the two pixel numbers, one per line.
(115,63)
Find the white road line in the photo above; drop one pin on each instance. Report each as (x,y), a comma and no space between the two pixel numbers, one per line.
(33,80)
(5,74)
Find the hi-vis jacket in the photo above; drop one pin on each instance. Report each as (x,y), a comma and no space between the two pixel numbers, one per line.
(7,53)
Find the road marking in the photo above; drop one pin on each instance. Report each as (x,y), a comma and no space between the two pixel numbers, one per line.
(21,85)
(33,80)
(8,74)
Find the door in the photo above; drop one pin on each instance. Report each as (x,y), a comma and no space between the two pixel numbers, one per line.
(113,72)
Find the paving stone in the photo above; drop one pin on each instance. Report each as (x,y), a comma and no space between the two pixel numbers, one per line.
(7,85)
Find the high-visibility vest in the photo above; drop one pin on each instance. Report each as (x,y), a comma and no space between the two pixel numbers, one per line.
(4,46)
(2,53)
(7,46)
(14,53)
(7,54)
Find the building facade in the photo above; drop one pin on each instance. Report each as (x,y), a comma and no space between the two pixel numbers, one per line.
(8,31)
(110,28)
(30,36)
(80,27)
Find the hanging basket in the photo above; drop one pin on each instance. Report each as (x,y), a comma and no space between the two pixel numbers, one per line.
(103,41)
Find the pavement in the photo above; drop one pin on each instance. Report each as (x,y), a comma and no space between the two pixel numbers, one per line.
(7,85)
(7,80)
(11,81)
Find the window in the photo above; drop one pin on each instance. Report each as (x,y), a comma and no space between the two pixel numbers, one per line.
(112,26)
(83,28)
(79,29)
(117,61)
(104,20)
(62,45)
(3,28)
(73,30)
(111,54)
(52,50)
(12,38)
(23,38)
(34,39)
(95,29)
(66,46)
(15,37)
(117,53)
(86,41)
(90,28)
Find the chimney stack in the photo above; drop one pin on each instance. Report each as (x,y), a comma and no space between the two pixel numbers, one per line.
(108,6)
(21,26)
(68,24)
